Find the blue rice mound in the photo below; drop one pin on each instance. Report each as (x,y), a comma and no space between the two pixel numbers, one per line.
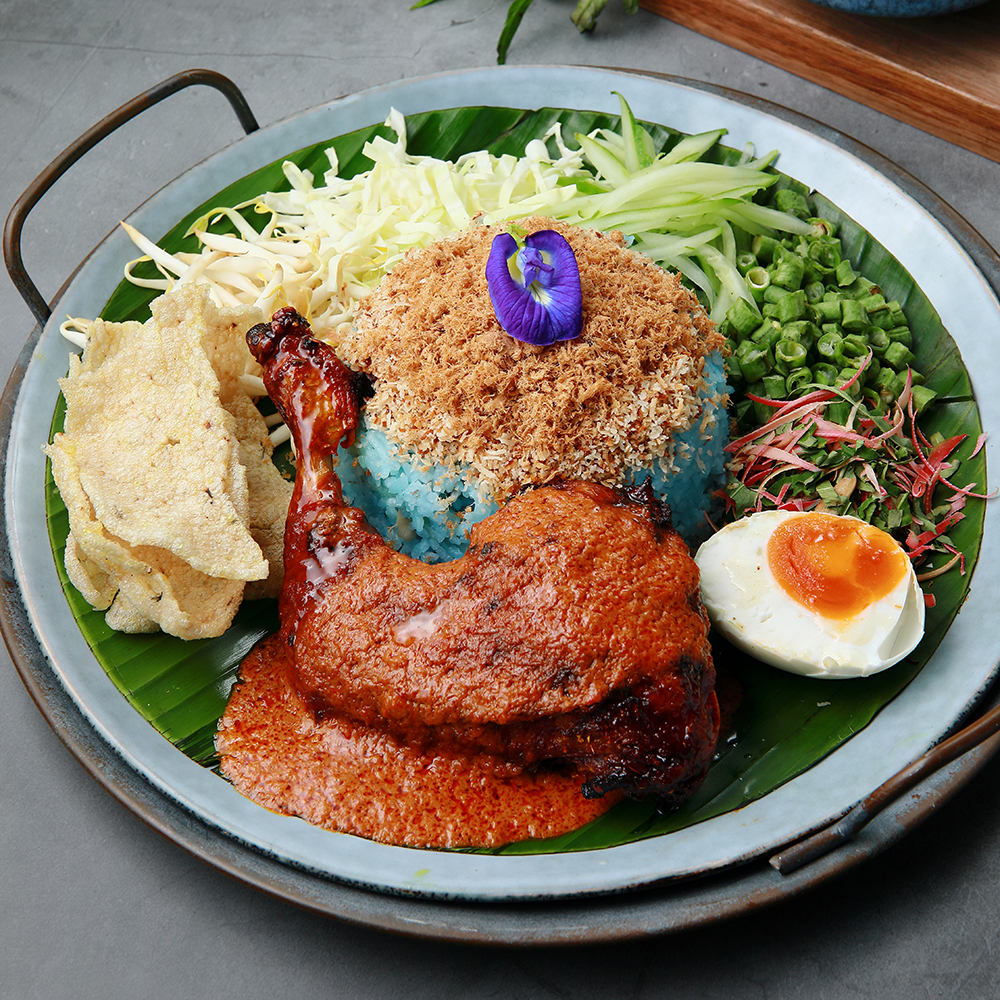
(427,513)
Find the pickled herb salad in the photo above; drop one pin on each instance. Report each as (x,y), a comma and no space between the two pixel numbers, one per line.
(827,399)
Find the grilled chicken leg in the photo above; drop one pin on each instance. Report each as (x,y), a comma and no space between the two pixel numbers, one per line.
(570,636)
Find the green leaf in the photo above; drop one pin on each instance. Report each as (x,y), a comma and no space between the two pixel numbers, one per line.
(584,16)
(515,13)
(777,725)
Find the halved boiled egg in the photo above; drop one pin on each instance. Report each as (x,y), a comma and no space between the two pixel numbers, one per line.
(817,594)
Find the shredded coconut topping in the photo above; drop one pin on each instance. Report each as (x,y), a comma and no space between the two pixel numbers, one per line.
(451,388)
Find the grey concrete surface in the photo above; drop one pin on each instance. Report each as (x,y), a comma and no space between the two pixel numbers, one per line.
(93,902)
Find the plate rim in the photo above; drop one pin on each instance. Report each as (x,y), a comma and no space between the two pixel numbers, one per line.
(971,242)
(752,887)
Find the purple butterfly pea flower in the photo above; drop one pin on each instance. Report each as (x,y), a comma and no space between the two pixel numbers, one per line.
(545,303)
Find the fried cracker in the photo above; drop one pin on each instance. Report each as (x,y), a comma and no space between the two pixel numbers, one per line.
(165,466)
(158,588)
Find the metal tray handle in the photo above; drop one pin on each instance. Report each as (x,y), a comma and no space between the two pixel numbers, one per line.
(89,139)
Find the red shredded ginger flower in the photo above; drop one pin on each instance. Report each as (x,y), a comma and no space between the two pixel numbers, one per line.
(881,463)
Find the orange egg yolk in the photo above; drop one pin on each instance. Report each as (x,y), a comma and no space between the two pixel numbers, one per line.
(835,566)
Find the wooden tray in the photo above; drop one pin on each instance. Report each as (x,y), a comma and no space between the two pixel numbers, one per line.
(941,74)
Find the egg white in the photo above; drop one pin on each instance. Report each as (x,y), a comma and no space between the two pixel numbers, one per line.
(748,606)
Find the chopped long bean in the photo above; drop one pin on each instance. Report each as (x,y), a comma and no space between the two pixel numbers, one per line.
(819,321)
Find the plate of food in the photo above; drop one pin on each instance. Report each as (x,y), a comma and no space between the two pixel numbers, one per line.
(584,362)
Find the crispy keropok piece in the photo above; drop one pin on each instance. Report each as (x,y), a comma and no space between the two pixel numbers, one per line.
(225,347)
(569,639)
(164,466)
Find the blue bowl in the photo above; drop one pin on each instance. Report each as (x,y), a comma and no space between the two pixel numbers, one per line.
(900,8)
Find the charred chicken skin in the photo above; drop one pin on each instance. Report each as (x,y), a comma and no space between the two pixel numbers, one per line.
(570,637)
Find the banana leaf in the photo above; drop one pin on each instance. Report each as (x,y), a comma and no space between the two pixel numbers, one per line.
(776,725)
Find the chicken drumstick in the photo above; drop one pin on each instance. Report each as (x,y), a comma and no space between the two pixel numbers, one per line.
(569,636)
